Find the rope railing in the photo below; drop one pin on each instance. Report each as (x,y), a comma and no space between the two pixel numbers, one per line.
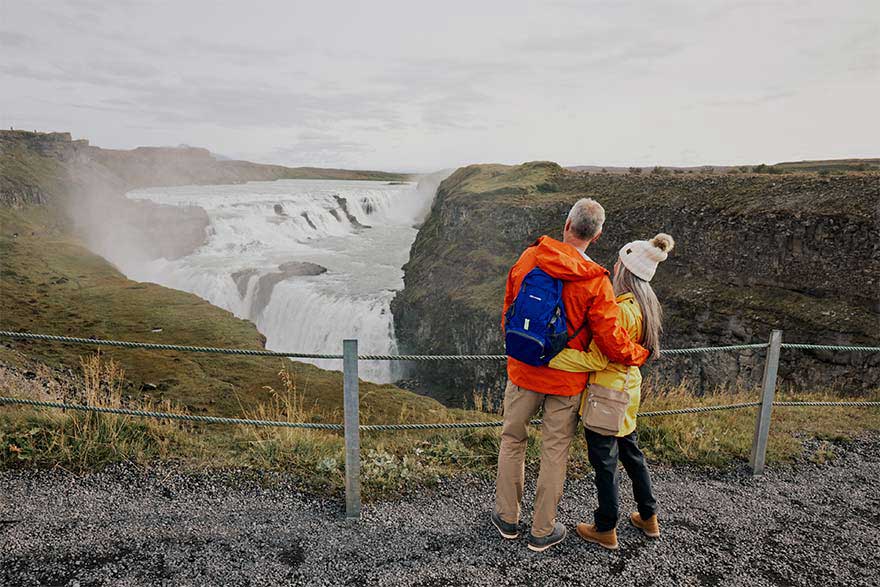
(375,357)
(391,427)
(830,347)
(352,426)
(166,415)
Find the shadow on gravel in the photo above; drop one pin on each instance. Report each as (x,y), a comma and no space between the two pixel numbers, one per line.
(58,571)
(624,555)
(293,556)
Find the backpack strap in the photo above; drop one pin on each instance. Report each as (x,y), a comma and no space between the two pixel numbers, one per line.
(578,331)
(581,327)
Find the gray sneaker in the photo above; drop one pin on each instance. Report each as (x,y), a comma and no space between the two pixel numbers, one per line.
(507,531)
(545,542)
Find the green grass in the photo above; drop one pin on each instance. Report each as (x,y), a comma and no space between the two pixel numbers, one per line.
(24,170)
(725,437)
(535,176)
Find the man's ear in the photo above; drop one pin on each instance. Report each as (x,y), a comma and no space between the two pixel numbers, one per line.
(567,226)
(595,238)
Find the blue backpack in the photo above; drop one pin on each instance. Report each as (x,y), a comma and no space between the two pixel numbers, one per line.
(536,329)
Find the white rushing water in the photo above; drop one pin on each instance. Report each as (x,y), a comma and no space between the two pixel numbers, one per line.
(267,241)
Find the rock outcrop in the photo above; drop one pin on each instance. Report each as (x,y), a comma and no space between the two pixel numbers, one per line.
(754,252)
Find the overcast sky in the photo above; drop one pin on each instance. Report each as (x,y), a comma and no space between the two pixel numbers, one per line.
(417,86)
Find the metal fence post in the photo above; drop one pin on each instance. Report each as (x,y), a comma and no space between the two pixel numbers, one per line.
(351,403)
(768,391)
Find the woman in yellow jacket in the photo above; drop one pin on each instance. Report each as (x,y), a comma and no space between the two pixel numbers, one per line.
(641,316)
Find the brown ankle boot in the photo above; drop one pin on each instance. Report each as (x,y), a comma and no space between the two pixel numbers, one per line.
(606,539)
(650,527)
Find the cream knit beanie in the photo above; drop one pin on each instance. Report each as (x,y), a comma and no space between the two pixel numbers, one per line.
(642,257)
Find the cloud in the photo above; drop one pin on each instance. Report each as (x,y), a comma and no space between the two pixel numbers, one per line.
(13,40)
(394,82)
(320,149)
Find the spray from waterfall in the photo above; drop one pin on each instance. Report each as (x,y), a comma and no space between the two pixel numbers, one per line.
(310,262)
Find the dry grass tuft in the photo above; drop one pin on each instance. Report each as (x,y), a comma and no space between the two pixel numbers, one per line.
(392,462)
(83,440)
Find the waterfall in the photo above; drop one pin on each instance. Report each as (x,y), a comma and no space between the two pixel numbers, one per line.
(310,262)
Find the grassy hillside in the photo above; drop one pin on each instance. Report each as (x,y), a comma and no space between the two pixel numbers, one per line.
(27,176)
(24,155)
(246,168)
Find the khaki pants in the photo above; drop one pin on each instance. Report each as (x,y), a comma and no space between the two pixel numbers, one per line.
(557,431)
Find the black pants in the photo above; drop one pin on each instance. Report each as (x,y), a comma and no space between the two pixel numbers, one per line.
(604,451)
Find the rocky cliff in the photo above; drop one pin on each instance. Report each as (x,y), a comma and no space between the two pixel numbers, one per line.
(797,252)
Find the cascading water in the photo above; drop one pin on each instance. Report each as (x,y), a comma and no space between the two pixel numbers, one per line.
(310,262)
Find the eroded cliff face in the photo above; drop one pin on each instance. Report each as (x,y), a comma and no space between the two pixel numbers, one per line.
(754,253)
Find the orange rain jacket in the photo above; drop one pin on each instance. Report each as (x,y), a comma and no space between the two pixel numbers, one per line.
(586,295)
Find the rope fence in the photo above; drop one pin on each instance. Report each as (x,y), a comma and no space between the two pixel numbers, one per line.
(393,427)
(298,355)
(830,347)
(352,426)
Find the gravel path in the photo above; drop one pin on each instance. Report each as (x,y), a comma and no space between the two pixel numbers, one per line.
(814,526)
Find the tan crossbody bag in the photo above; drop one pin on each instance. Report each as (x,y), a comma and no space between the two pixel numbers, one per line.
(605,408)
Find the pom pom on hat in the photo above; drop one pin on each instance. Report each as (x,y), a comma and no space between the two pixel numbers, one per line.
(642,257)
(663,242)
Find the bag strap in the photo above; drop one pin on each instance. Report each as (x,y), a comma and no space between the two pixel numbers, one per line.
(581,327)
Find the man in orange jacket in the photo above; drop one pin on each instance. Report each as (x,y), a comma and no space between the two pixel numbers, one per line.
(589,300)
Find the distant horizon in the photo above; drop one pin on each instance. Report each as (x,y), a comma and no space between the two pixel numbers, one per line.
(222,157)
(417,87)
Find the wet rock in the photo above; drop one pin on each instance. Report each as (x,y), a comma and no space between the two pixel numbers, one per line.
(242,279)
(267,282)
(343,205)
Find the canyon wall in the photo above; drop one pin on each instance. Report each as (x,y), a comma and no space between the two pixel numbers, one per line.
(798,252)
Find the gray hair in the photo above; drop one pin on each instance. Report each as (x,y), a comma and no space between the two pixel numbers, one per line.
(587,217)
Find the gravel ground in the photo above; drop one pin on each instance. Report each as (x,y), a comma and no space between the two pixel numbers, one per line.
(807,525)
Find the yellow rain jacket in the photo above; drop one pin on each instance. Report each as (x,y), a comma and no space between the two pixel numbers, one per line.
(605,373)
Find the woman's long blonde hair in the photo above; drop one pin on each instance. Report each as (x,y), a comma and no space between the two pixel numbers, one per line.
(652,312)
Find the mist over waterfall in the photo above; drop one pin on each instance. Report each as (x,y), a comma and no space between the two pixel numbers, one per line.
(310,262)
